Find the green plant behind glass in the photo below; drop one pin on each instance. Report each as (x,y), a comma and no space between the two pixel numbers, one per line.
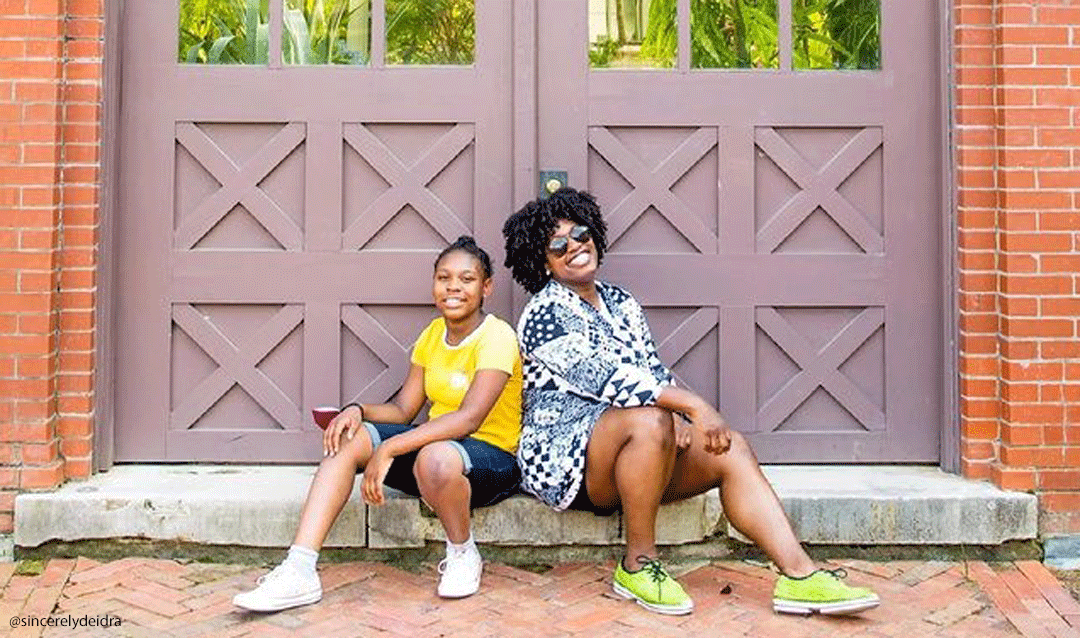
(430,31)
(603,51)
(223,32)
(744,33)
(318,32)
(837,34)
(723,33)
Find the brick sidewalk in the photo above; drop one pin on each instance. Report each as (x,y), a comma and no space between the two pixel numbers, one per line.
(166,598)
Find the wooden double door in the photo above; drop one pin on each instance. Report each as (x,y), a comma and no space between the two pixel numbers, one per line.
(278,223)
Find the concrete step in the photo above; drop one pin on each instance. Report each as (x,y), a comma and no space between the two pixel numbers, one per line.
(259,506)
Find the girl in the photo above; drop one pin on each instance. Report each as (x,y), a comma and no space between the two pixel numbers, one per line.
(466,363)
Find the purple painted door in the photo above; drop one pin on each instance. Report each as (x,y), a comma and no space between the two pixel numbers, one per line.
(279,219)
(780,224)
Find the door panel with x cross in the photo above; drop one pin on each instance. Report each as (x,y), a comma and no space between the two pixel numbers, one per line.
(277,231)
(781,227)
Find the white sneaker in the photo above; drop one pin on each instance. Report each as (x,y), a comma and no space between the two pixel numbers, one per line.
(460,573)
(282,588)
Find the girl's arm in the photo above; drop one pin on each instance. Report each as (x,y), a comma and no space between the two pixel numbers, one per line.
(481,396)
(405,405)
(402,409)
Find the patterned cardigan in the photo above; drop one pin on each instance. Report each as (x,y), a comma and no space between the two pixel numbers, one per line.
(578,362)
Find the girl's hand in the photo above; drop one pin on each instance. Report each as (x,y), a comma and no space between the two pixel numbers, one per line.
(374,475)
(713,428)
(345,423)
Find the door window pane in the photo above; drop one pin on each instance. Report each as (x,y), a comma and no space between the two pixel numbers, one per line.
(836,34)
(632,33)
(326,32)
(430,31)
(734,34)
(223,32)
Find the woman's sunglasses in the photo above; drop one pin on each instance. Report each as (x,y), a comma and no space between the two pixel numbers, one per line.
(558,245)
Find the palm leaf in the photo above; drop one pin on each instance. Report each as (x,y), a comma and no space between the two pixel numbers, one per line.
(218,49)
(299,37)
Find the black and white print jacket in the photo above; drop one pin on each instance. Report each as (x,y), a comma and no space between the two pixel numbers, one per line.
(577,362)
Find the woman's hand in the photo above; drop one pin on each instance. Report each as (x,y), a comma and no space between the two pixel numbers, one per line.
(683,433)
(713,427)
(374,475)
(346,423)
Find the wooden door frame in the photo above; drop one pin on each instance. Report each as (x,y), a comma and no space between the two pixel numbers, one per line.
(950,266)
(525,187)
(104,378)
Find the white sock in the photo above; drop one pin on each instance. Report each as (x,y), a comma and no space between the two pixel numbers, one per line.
(467,546)
(303,559)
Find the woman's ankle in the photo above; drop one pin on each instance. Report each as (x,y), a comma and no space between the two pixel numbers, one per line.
(632,562)
(798,569)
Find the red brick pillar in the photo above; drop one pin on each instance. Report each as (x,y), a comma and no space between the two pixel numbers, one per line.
(80,180)
(49,94)
(1018,113)
(976,236)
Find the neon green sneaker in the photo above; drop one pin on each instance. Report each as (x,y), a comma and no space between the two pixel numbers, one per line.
(823,592)
(652,587)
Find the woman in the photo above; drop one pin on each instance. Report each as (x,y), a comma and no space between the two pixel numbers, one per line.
(604,427)
(467,363)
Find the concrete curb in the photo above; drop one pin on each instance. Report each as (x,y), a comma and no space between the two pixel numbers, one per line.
(258,506)
(1062,552)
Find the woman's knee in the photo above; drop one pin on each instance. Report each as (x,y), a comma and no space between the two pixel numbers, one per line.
(654,424)
(740,447)
(437,463)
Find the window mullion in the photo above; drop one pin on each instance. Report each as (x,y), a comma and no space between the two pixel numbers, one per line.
(277,21)
(683,18)
(378,33)
(785,35)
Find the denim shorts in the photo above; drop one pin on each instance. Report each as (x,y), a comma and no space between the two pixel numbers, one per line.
(493,473)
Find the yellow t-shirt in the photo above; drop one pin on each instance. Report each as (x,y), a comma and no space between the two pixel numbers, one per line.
(449,371)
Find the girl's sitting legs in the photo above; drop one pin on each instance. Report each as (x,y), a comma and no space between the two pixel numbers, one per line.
(330,490)
(295,581)
(440,474)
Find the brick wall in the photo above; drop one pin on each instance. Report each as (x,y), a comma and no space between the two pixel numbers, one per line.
(1018,176)
(50,70)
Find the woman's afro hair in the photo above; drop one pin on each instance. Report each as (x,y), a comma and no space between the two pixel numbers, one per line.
(528,231)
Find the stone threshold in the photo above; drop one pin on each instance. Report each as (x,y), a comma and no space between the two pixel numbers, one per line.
(259,506)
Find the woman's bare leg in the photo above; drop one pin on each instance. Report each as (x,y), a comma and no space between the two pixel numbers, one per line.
(440,475)
(750,503)
(330,490)
(628,461)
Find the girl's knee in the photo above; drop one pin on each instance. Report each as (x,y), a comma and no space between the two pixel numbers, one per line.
(355,450)
(437,463)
